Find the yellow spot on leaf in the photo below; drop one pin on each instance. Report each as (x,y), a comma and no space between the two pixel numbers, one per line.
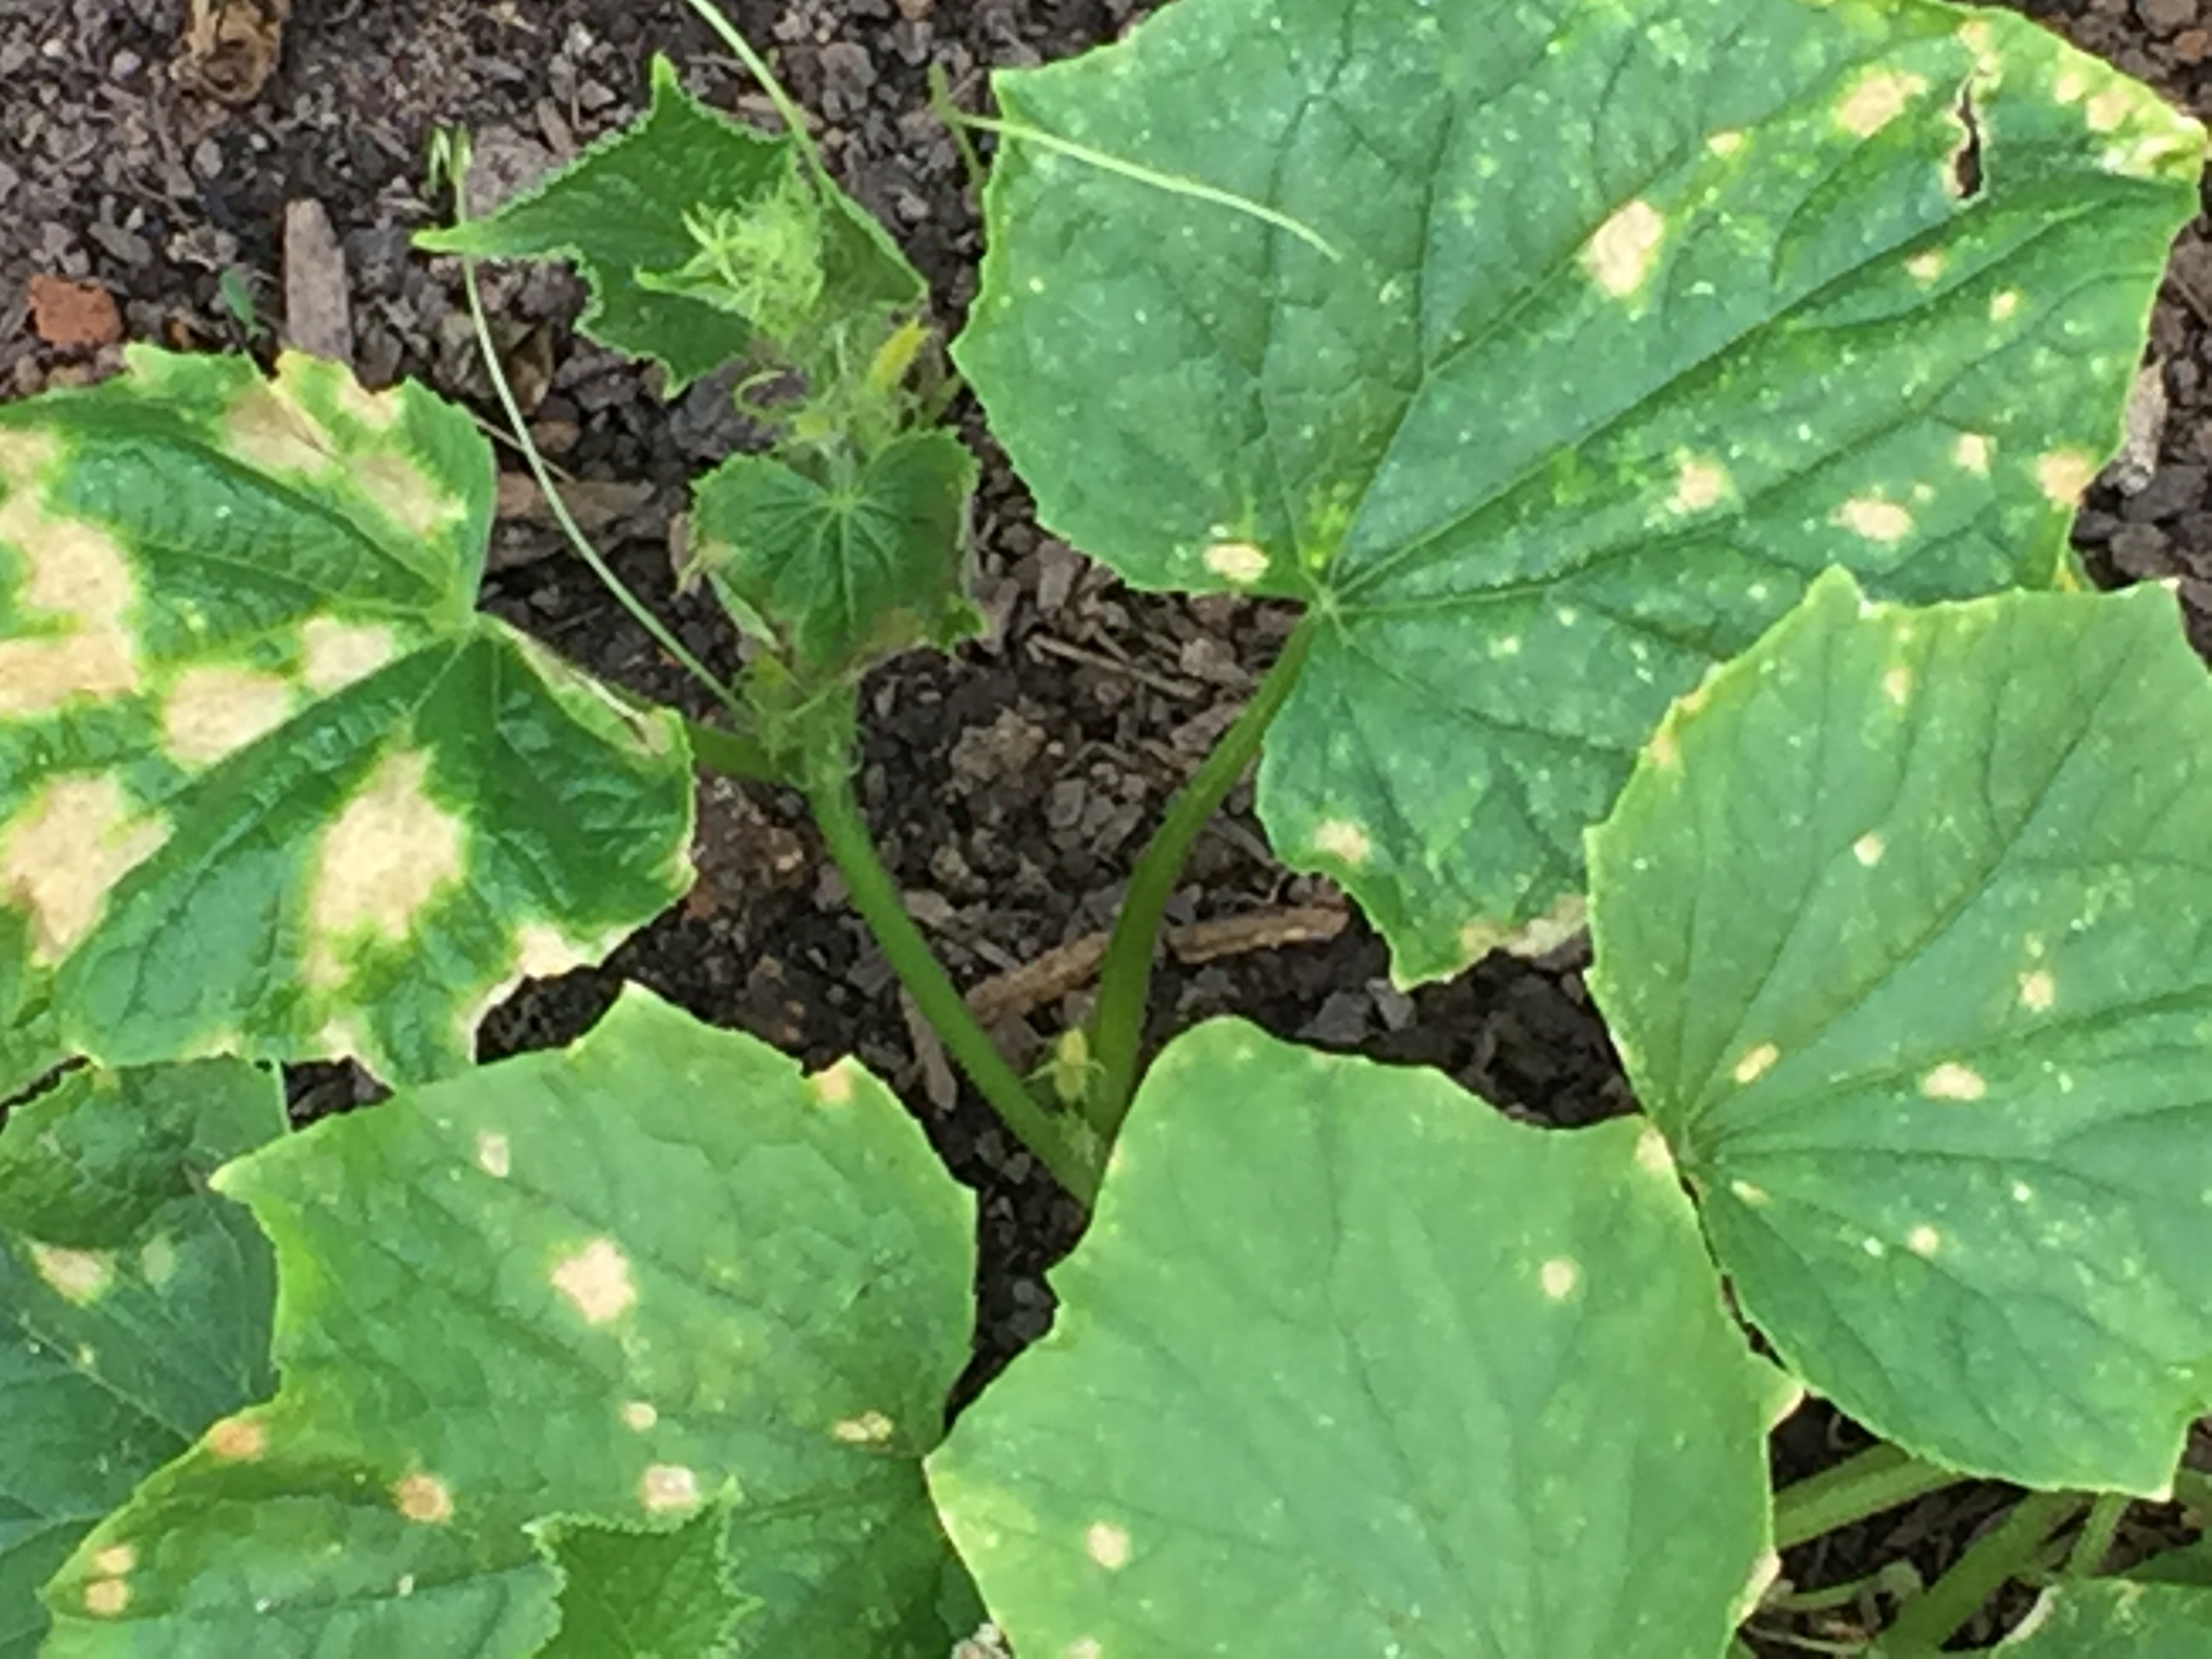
(1926,267)
(1748,1194)
(1896,684)
(666,1486)
(1726,141)
(492,1154)
(1240,563)
(75,581)
(386,855)
(1698,484)
(412,499)
(2062,474)
(2108,108)
(1558,1277)
(1084,1647)
(1876,520)
(1876,98)
(115,1559)
(1755,1063)
(544,952)
(1108,1544)
(1924,1241)
(238,1440)
(1343,841)
(833,1084)
(64,853)
(1620,256)
(104,1598)
(1971,451)
(2038,990)
(1665,749)
(1868,849)
(1952,1081)
(334,654)
(1536,937)
(213,712)
(639,1415)
(597,1280)
(2004,303)
(868,1429)
(78,1276)
(1652,1153)
(423,1499)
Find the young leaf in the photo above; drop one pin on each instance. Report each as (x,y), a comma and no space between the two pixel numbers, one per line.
(645,1594)
(1348,1362)
(267,784)
(136,1303)
(1629,319)
(847,574)
(2115,1618)
(691,231)
(1904,929)
(616,1283)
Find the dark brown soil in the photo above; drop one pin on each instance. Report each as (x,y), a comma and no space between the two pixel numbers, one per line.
(1012,787)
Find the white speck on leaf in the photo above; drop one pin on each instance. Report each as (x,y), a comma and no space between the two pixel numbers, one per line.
(1343,841)
(666,1486)
(1558,1277)
(868,1429)
(833,1084)
(1952,1081)
(1868,849)
(1971,451)
(1240,563)
(1925,267)
(1108,1544)
(2003,304)
(1620,256)
(1924,1241)
(2038,990)
(639,1415)
(492,1154)
(2062,475)
(1876,520)
(1755,1063)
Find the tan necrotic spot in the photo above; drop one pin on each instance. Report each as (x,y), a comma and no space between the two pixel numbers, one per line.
(2003,304)
(1240,563)
(213,712)
(267,429)
(494,1156)
(597,1280)
(104,1598)
(2062,474)
(1924,1241)
(1874,519)
(78,1276)
(74,577)
(405,493)
(238,1440)
(1952,1081)
(2038,990)
(1868,849)
(388,853)
(115,1559)
(639,1415)
(1536,937)
(667,1486)
(1620,255)
(334,654)
(1107,1544)
(1876,98)
(868,1429)
(833,1084)
(1971,451)
(1558,1277)
(423,1499)
(62,855)
(1698,484)
(1343,841)
(2110,107)
(544,952)
(1925,267)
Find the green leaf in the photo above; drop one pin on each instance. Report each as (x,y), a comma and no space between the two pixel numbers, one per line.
(628,210)
(1639,316)
(616,1283)
(2115,1618)
(136,1305)
(845,575)
(268,786)
(633,1595)
(1904,933)
(1348,1362)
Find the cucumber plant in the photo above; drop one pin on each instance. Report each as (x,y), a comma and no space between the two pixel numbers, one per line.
(1667,418)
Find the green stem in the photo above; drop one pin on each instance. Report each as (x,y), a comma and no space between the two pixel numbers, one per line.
(2003,1553)
(2086,1559)
(1063,1145)
(794,119)
(1125,975)
(1879,1478)
(734,754)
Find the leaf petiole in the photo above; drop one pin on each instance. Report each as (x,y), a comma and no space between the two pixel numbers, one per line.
(2001,1554)
(1879,1478)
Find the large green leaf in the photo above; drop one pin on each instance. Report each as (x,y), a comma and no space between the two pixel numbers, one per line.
(844,574)
(654,1272)
(1350,1363)
(268,786)
(1630,318)
(136,1303)
(2115,1618)
(630,209)
(1904,928)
